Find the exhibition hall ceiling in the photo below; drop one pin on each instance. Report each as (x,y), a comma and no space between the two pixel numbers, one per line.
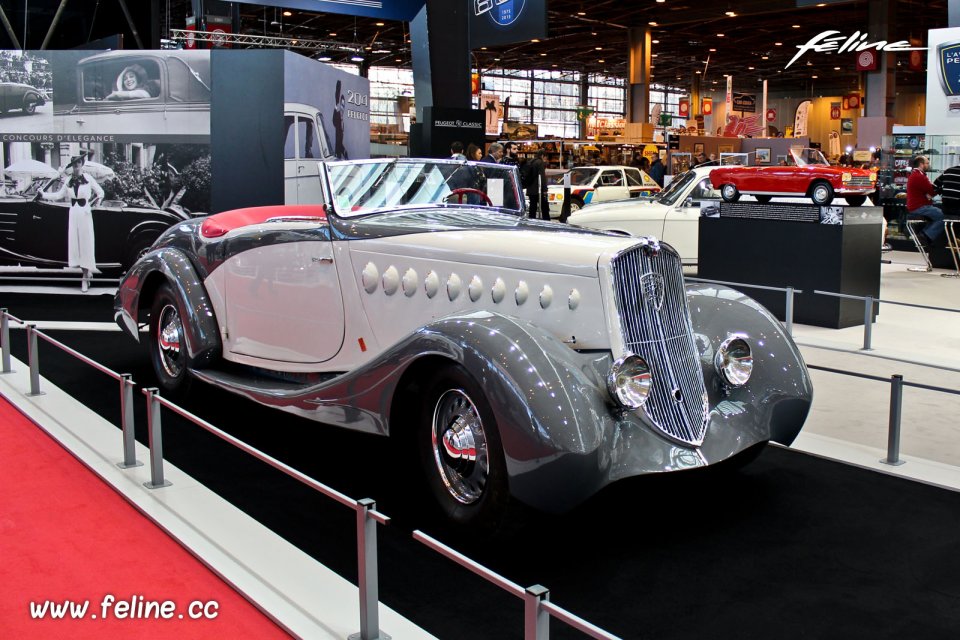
(754,43)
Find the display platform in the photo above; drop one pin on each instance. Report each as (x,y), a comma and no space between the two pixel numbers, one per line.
(828,248)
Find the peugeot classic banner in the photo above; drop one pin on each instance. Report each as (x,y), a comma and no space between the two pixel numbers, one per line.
(943,81)
(497,22)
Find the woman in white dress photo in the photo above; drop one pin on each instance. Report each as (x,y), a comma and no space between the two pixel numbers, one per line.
(82,192)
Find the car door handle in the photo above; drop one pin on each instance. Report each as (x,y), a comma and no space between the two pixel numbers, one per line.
(37,218)
(322,260)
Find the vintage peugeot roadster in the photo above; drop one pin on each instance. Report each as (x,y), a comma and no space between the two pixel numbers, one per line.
(523,359)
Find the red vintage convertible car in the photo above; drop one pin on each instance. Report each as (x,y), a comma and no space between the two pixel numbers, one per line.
(810,175)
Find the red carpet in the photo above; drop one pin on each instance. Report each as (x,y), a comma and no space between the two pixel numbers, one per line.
(67,536)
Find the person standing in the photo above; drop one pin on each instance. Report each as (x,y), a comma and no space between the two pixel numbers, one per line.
(948,184)
(339,113)
(510,157)
(535,183)
(656,170)
(920,192)
(474,153)
(494,153)
(456,151)
(82,192)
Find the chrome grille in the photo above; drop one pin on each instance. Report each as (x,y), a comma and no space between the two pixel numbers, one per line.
(655,321)
(858,181)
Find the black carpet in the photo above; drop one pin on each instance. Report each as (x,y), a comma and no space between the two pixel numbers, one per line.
(791,546)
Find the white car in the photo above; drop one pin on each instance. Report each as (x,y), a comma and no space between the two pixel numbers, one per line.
(600,184)
(672,215)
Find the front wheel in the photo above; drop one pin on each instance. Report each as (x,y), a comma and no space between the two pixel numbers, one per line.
(29,107)
(821,193)
(855,201)
(168,346)
(729,192)
(460,450)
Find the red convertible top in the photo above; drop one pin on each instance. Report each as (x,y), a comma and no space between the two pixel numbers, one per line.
(222,223)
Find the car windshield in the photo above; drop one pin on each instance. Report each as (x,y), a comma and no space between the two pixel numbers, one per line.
(675,189)
(582,176)
(805,156)
(367,186)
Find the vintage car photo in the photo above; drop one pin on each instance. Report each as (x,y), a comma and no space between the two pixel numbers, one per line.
(33,230)
(523,360)
(19,97)
(672,215)
(598,184)
(306,144)
(124,92)
(809,175)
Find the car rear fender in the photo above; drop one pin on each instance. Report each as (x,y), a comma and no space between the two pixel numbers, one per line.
(139,285)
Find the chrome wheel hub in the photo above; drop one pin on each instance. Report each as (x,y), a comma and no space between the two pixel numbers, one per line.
(460,446)
(169,337)
(820,193)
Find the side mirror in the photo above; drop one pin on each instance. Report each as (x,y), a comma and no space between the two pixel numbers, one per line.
(688,202)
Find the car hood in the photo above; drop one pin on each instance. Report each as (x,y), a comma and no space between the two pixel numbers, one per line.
(607,210)
(561,251)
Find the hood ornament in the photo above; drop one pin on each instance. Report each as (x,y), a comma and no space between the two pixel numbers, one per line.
(649,245)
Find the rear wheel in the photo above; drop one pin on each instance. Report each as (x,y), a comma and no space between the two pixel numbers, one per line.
(821,193)
(168,346)
(763,199)
(460,450)
(855,201)
(729,192)
(29,107)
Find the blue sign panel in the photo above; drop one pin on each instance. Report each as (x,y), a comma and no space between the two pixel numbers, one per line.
(948,54)
(497,22)
(386,9)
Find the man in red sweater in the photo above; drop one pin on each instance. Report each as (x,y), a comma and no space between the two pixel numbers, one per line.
(920,192)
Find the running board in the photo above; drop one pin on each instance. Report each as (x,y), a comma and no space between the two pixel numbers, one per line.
(252,384)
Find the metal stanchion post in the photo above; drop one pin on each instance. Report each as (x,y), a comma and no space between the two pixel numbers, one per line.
(5,340)
(867,323)
(367,574)
(34,358)
(565,207)
(155,435)
(893,435)
(788,313)
(127,422)
(536,619)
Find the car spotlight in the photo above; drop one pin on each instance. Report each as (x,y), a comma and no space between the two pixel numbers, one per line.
(734,361)
(629,381)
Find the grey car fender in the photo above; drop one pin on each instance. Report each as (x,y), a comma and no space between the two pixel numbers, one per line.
(173,266)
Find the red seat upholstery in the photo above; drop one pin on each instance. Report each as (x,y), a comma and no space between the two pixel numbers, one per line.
(221,223)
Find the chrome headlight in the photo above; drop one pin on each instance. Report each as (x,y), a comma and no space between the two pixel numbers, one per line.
(734,361)
(873,177)
(629,381)
(847,177)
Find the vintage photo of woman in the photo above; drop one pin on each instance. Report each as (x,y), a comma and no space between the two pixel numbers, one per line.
(132,83)
(82,192)
(339,113)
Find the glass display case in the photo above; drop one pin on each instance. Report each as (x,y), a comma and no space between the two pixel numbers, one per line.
(896,152)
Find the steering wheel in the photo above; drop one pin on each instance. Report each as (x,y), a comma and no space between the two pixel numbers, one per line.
(462,191)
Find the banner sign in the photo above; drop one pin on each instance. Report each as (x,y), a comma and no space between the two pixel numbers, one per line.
(943,81)
(834,110)
(404,10)
(191,42)
(801,118)
(490,103)
(746,102)
(499,22)
(707,108)
(684,108)
(867,60)
(771,115)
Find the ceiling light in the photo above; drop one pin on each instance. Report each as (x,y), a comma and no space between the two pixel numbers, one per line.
(379,24)
(553,65)
(778,44)
(287,14)
(661,1)
(713,50)
(581,13)
(655,41)
(599,48)
(483,48)
(496,59)
(836,68)
(720,35)
(601,60)
(593,33)
(764,57)
(795,26)
(652,23)
(543,54)
(814,77)
(356,58)
(535,40)
(398,60)
(333,34)
(294,41)
(731,14)
(328,59)
(698,73)
(750,68)
(654,55)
